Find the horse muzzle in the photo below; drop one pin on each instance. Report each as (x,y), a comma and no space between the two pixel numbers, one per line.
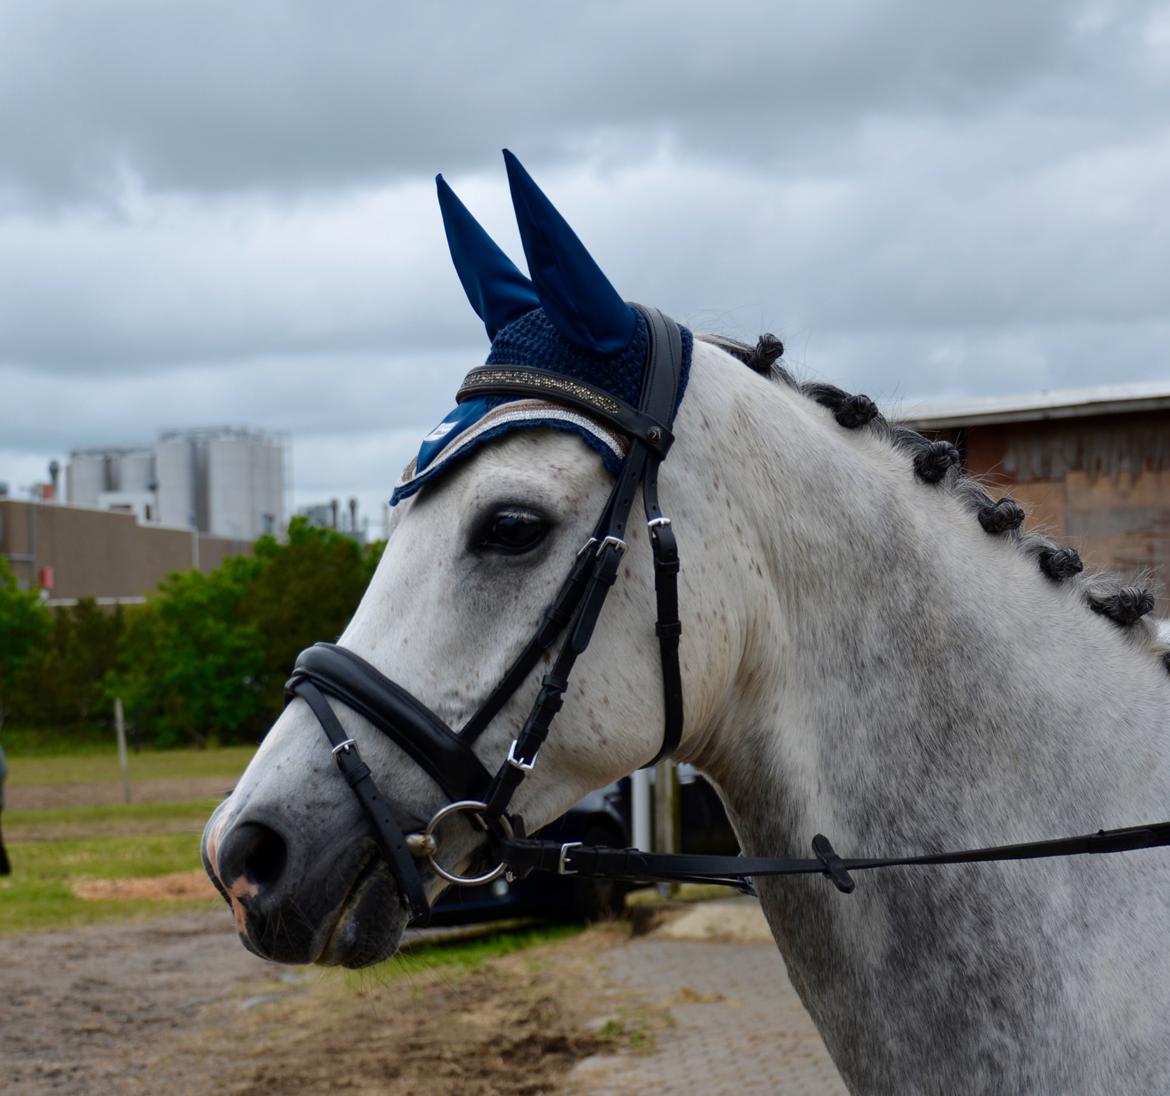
(340,907)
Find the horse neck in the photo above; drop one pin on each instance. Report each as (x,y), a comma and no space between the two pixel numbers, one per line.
(905,676)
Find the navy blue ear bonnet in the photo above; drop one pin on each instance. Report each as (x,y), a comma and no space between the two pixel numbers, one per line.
(567,319)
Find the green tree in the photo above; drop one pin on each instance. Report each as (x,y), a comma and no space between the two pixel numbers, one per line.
(305,590)
(61,683)
(189,662)
(24,624)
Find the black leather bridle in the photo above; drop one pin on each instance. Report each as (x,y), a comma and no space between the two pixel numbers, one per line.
(326,670)
(448,757)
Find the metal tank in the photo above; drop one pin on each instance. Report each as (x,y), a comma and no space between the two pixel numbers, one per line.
(174,462)
(85,478)
(135,470)
(231,473)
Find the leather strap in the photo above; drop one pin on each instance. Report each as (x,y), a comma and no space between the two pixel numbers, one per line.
(441,753)
(660,391)
(523,855)
(357,775)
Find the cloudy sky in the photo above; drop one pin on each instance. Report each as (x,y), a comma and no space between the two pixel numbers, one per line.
(224,212)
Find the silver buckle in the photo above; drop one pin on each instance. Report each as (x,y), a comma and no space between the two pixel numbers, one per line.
(617,542)
(562,867)
(519,763)
(586,546)
(344,747)
(653,523)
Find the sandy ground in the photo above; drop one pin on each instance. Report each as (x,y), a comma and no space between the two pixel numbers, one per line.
(176,1006)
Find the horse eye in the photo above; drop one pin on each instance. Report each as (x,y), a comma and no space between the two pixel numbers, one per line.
(512,532)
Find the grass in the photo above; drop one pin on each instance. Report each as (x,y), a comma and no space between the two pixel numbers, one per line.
(53,849)
(635,1029)
(110,820)
(458,955)
(102,768)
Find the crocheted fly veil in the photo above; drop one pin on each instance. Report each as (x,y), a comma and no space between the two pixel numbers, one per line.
(566,319)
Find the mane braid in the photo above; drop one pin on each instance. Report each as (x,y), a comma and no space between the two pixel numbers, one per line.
(938,462)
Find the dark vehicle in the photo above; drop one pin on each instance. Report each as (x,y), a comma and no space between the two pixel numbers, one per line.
(602,818)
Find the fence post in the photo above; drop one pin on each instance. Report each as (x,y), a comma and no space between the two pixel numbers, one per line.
(666,814)
(640,808)
(123,761)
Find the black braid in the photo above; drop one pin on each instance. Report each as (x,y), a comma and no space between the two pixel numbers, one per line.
(1125,607)
(856,411)
(1001,517)
(1060,563)
(932,461)
(768,349)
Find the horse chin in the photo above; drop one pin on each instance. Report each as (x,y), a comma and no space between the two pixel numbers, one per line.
(371,922)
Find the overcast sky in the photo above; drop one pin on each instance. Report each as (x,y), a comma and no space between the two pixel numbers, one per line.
(224,212)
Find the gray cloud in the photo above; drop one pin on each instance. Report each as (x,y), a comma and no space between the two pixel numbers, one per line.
(272,95)
(224,212)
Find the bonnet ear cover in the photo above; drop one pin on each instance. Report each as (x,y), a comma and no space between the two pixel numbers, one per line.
(498,292)
(568,320)
(576,295)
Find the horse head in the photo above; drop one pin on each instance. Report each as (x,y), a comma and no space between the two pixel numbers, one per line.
(501,503)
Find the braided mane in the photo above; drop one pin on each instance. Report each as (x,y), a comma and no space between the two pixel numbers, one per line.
(1126,604)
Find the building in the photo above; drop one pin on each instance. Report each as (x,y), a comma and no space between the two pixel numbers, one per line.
(1090,465)
(330,515)
(69,551)
(224,481)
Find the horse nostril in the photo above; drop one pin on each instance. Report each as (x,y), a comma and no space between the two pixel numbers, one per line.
(254,851)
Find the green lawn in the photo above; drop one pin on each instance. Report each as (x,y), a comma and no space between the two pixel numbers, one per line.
(51,850)
(113,820)
(102,768)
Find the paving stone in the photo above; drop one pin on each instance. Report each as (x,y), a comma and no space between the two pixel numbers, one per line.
(738,1026)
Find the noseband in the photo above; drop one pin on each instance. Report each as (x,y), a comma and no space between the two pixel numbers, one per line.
(326,670)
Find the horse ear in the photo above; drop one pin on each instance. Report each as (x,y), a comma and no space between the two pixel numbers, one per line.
(498,292)
(576,295)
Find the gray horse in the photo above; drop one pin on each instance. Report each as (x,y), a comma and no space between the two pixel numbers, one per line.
(872,648)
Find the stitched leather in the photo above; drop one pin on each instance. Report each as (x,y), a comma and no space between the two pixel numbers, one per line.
(440,752)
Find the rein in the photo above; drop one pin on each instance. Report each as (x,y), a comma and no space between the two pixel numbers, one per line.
(326,670)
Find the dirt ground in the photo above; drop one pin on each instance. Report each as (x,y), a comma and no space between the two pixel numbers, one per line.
(176,1006)
(35,797)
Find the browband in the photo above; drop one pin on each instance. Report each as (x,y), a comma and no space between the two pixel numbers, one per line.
(518,380)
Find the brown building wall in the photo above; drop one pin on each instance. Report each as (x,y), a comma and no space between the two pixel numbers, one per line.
(100,553)
(1100,483)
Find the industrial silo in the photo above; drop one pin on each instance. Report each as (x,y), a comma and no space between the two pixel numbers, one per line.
(85,478)
(174,461)
(230,475)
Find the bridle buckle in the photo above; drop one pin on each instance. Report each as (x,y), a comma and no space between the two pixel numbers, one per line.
(519,762)
(617,542)
(562,866)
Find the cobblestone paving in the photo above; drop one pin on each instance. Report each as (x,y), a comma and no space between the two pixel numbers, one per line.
(738,1026)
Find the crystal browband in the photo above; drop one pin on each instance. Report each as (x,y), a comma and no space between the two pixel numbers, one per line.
(511,380)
